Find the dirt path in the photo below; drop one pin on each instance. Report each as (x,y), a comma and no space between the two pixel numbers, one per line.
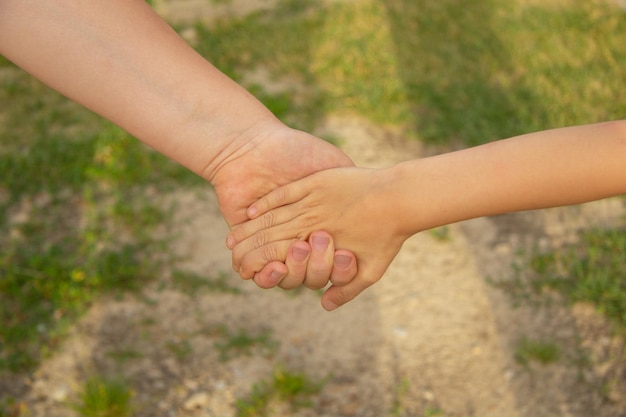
(432,338)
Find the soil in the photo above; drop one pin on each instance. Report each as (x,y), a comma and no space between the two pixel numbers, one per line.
(433,337)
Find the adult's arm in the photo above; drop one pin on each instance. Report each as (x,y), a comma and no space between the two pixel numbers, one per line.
(122,61)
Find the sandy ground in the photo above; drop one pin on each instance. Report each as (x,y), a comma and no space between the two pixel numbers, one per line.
(433,335)
(432,338)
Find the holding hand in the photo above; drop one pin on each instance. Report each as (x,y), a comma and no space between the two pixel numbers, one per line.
(274,156)
(122,61)
(349,203)
(312,264)
(372,212)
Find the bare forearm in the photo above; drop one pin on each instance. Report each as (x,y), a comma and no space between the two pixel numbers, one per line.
(121,60)
(539,170)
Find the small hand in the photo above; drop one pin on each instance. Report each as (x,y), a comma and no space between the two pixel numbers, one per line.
(350,204)
(311,265)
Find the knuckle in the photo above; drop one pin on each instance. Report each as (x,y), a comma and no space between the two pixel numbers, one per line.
(237,256)
(367,281)
(259,239)
(280,197)
(245,273)
(247,270)
(268,220)
(342,296)
(270,253)
(311,221)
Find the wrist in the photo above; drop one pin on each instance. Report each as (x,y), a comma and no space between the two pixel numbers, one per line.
(430,192)
(401,197)
(233,145)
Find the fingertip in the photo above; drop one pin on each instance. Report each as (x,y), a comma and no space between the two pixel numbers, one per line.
(344,267)
(253,212)
(271,275)
(344,259)
(300,251)
(320,264)
(320,236)
(296,262)
(333,298)
(336,296)
(329,305)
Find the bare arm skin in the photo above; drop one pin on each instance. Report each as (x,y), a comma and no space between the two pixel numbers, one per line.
(122,61)
(372,212)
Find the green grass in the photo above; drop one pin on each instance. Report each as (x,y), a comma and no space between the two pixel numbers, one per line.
(75,219)
(124,355)
(450,72)
(400,393)
(544,352)
(292,388)
(79,200)
(242,342)
(9,407)
(591,271)
(193,284)
(181,349)
(433,412)
(103,397)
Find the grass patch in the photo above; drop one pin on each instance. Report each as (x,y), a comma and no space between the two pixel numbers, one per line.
(192,284)
(293,388)
(123,356)
(102,397)
(243,342)
(591,271)
(11,408)
(538,351)
(79,209)
(432,412)
(79,203)
(400,392)
(181,349)
(451,73)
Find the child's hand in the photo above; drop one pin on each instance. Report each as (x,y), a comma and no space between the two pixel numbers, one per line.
(353,205)
(308,265)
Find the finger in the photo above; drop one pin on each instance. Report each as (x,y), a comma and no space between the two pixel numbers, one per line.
(321,261)
(337,295)
(265,228)
(344,267)
(271,275)
(281,196)
(255,260)
(297,261)
(263,240)
(370,272)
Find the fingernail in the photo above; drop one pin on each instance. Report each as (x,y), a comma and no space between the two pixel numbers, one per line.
(320,242)
(329,305)
(343,261)
(300,254)
(230,242)
(276,276)
(252,212)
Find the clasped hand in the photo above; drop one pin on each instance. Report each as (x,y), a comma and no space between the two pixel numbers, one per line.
(332,201)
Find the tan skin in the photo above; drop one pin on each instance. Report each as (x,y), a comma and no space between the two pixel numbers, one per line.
(122,61)
(372,212)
